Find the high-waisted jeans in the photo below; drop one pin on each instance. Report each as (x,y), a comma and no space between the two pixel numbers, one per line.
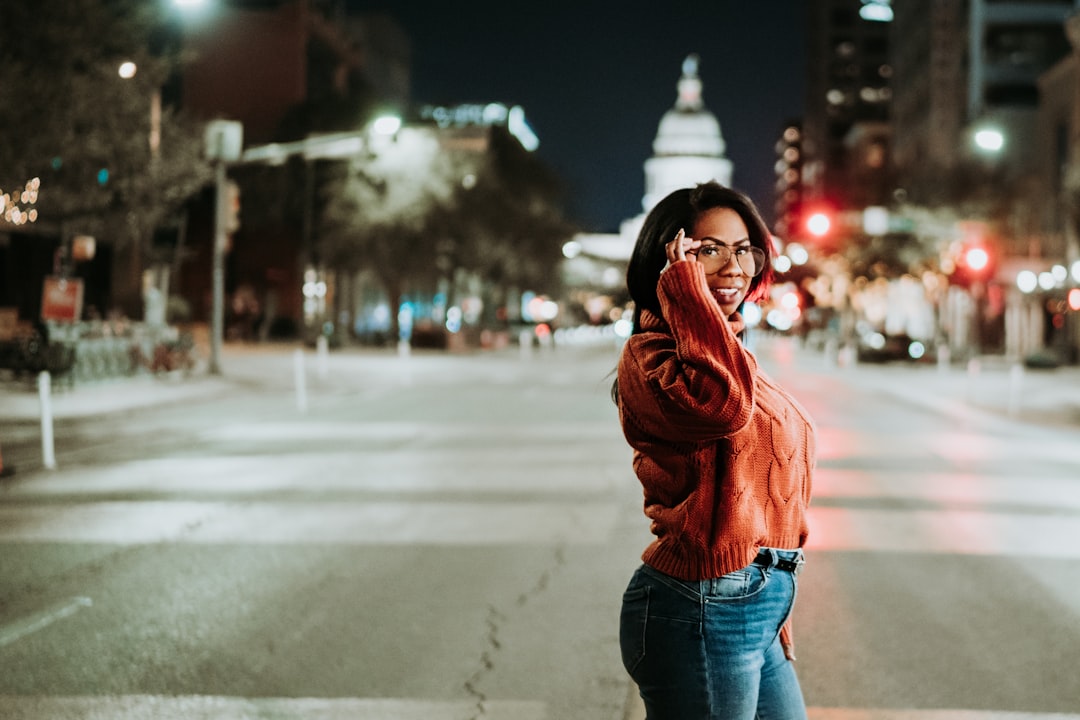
(710,650)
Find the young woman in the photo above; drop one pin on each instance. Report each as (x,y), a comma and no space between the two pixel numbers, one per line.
(724,456)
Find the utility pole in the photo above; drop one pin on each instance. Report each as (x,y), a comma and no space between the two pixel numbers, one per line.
(224,144)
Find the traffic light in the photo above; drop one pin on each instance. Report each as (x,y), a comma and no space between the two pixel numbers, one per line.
(976,259)
(819,223)
(232,206)
(974,264)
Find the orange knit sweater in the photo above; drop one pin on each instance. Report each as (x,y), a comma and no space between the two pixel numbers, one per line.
(723,453)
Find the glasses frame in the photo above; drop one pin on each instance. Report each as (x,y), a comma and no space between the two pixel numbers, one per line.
(743,254)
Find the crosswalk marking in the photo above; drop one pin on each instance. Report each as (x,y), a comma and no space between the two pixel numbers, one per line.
(509,471)
(900,714)
(1018,491)
(298,522)
(960,532)
(202,707)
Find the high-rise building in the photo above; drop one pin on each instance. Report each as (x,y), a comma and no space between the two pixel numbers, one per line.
(928,55)
(961,66)
(848,95)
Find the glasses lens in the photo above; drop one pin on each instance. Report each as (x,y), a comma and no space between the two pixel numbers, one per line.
(752,262)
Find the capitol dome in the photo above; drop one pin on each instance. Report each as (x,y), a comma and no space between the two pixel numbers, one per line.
(689,147)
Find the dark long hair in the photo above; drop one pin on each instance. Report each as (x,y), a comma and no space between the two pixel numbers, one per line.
(681,209)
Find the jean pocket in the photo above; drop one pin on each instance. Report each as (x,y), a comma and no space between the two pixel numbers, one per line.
(738,585)
(632,626)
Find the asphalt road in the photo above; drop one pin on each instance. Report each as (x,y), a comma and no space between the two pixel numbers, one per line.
(448,536)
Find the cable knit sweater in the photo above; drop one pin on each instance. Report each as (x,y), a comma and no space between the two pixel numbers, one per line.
(723,453)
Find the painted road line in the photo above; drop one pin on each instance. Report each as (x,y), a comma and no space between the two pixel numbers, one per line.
(333,522)
(40,620)
(820,713)
(969,490)
(635,710)
(203,707)
(507,470)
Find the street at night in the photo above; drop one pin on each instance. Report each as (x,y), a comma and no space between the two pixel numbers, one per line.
(448,535)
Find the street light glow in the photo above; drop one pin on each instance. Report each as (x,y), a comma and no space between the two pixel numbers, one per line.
(127,70)
(386,124)
(1027,281)
(989,139)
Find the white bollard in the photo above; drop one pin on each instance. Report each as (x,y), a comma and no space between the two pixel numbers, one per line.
(974,368)
(944,358)
(48,448)
(1016,388)
(300,380)
(322,354)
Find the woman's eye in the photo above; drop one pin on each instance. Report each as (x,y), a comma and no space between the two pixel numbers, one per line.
(708,250)
(740,251)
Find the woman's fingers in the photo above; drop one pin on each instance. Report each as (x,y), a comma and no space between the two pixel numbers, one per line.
(676,249)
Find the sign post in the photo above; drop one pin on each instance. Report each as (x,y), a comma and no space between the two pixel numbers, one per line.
(224,144)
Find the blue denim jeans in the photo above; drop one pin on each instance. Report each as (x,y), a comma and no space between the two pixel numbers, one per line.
(710,650)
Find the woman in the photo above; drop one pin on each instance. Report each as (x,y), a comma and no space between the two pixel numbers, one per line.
(724,456)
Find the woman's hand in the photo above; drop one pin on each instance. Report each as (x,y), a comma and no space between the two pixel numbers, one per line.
(676,249)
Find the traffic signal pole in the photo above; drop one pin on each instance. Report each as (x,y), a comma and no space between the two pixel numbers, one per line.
(217,322)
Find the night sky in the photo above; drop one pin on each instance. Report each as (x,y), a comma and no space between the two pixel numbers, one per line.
(595,79)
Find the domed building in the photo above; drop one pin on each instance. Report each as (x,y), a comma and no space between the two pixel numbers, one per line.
(688,149)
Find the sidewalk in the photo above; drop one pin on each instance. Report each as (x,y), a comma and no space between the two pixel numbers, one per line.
(993,387)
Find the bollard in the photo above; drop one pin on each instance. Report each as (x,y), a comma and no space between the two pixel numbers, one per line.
(832,352)
(48,449)
(1016,386)
(525,341)
(300,381)
(322,354)
(974,367)
(944,358)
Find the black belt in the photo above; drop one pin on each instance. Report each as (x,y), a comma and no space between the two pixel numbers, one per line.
(766,559)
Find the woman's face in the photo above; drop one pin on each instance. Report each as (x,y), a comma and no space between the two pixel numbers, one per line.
(728,282)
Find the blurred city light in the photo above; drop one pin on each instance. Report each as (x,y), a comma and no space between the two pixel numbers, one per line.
(386,124)
(798,254)
(989,140)
(127,70)
(876,10)
(1027,281)
(751,314)
(818,224)
(976,258)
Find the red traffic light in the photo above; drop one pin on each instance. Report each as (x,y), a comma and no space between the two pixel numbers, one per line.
(818,224)
(977,259)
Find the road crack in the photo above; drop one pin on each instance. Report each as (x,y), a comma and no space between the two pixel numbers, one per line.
(494,621)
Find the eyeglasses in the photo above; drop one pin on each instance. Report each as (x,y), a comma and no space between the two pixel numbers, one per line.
(751,259)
